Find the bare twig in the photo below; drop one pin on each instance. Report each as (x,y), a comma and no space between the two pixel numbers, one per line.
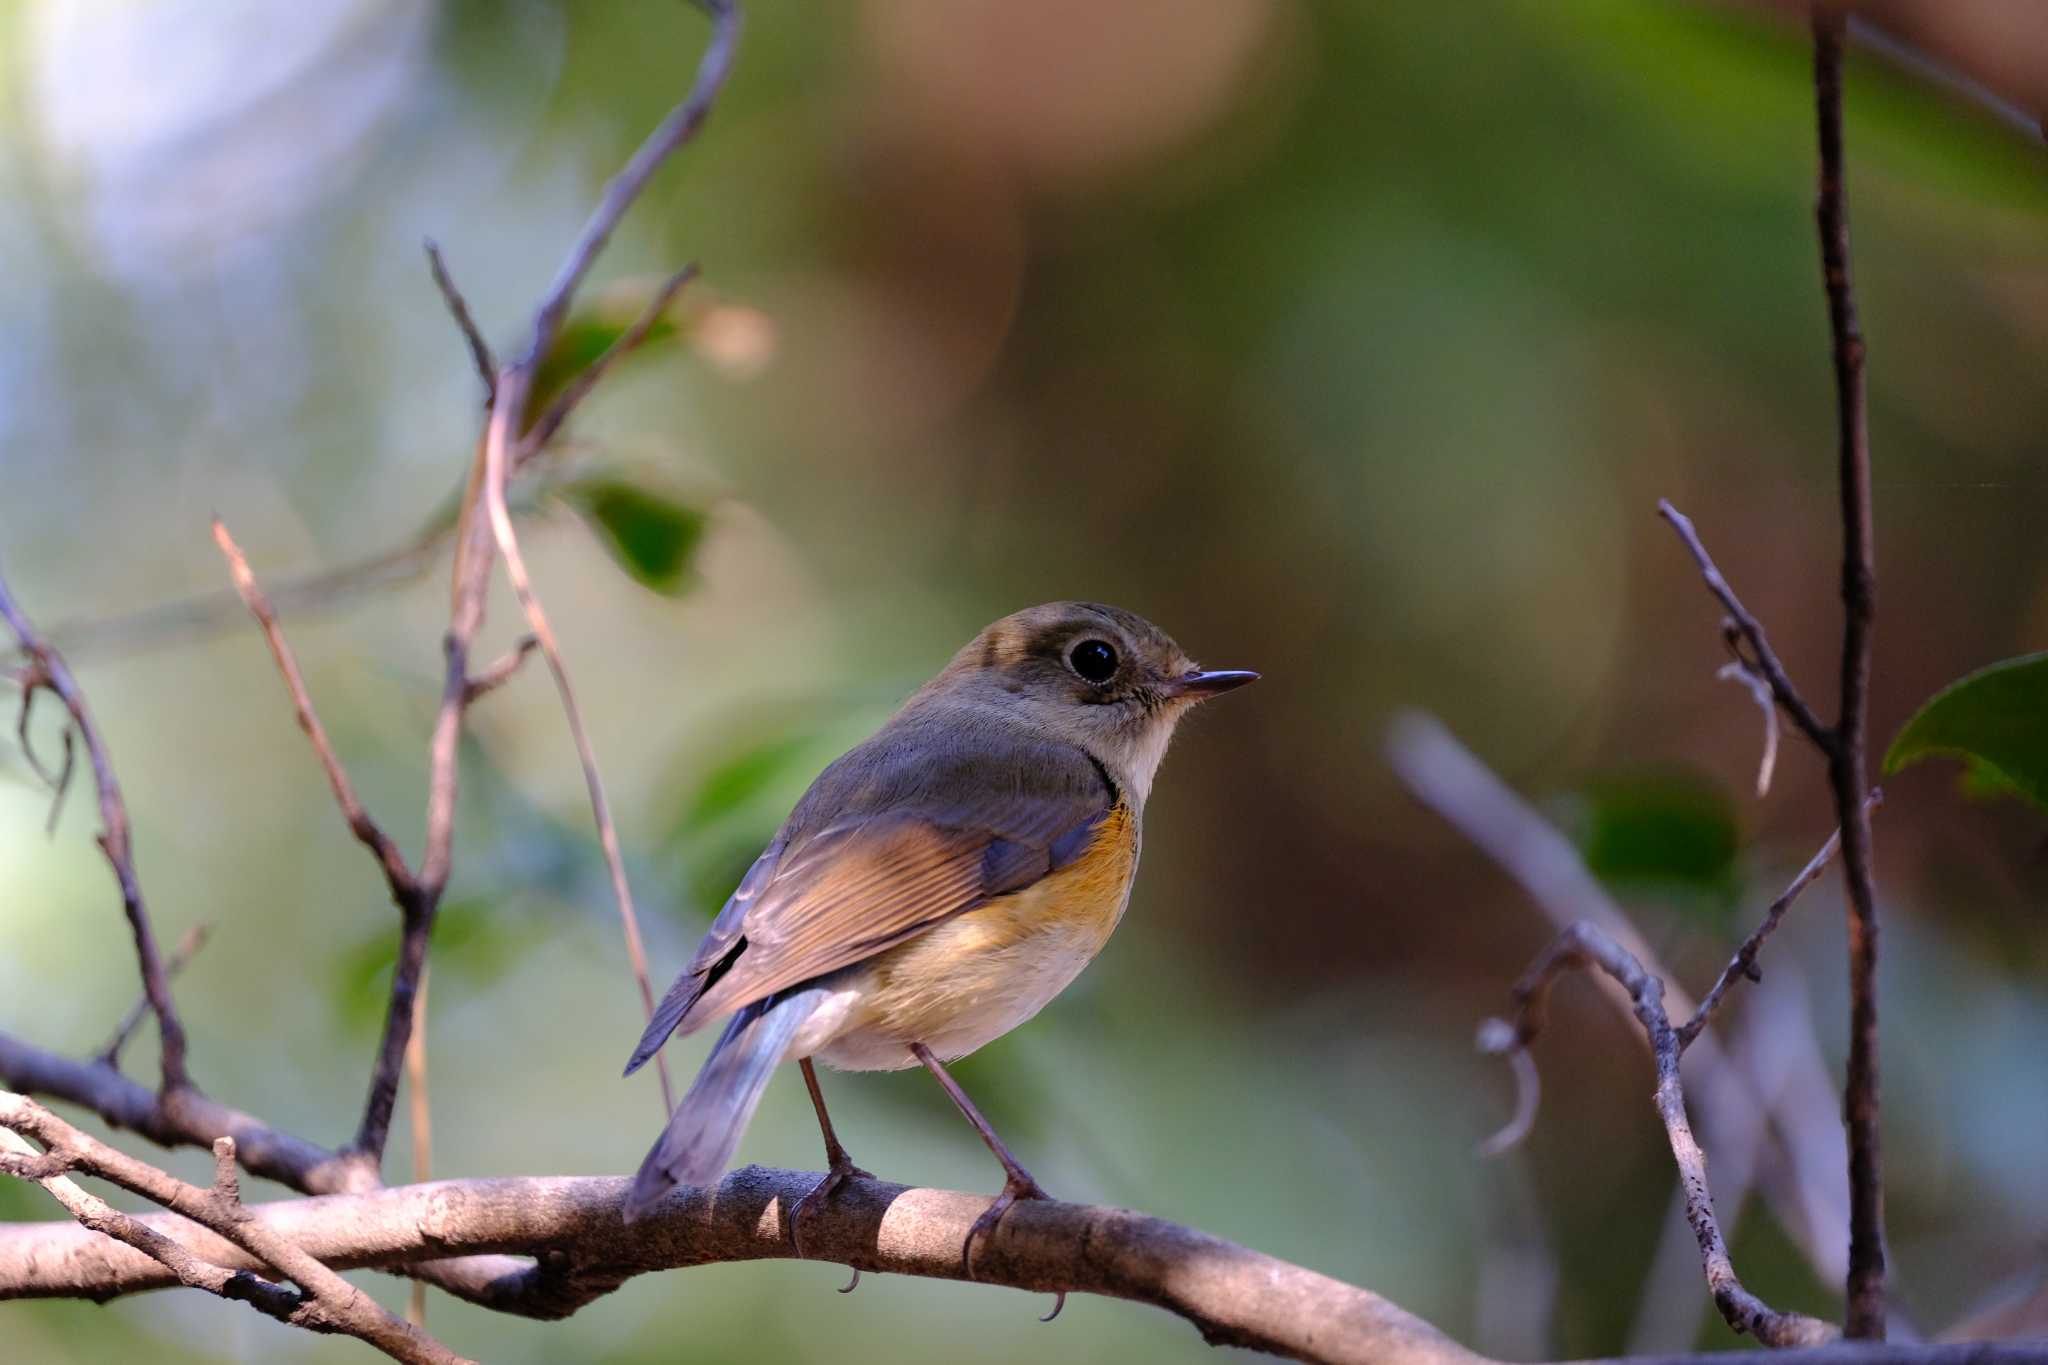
(190,1119)
(213,613)
(188,947)
(366,830)
(1444,775)
(501,671)
(332,1303)
(495,457)
(1738,670)
(674,131)
(96,1215)
(1743,964)
(1584,945)
(458,308)
(47,671)
(1764,660)
(422,1125)
(576,390)
(1847,765)
(187,1119)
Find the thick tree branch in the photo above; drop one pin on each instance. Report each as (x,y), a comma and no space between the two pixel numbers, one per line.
(1233,1295)
(46,671)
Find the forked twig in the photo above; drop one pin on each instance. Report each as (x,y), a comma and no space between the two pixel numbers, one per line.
(1583,945)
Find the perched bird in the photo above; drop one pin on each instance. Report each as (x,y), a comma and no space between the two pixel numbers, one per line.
(935,887)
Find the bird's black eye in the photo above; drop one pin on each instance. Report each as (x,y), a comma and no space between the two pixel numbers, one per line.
(1094,660)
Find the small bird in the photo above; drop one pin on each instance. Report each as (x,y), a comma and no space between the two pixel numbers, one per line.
(935,887)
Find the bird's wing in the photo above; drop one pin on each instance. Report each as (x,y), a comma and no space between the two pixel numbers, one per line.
(877,853)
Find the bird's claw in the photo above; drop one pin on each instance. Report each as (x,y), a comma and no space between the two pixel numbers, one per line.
(842,1170)
(1018,1186)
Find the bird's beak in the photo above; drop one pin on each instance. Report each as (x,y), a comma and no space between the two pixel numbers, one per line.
(1200,686)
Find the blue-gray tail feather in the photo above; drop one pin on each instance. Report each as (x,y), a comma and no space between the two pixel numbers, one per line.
(706,1127)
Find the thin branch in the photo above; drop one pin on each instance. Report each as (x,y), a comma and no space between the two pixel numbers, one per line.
(674,132)
(96,1215)
(1765,660)
(501,671)
(1584,945)
(422,1115)
(188,947)
(1847,763)
(333,1304)
(458,308)
(469,578)
(214,613)
(1738,670)
(366,830)
(576,390)
(190,1119)
(1445,776)
(495,458)
(1743,964)
(47,671)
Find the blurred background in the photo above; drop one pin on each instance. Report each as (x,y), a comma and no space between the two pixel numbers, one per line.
(1351,343)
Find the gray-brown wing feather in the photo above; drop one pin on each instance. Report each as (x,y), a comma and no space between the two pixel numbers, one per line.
(900,834)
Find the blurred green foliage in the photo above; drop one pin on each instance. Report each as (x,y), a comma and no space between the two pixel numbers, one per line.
(1672,832)
(651,535)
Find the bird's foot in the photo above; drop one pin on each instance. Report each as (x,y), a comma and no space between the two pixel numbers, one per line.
(1018,1186)
(839,1172)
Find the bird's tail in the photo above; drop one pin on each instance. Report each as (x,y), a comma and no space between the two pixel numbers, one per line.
(705,1129)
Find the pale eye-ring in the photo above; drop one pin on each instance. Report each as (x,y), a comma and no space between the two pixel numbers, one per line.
(1094,660)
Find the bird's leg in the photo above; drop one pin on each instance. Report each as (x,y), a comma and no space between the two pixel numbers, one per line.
(1017,1182)
(839,1169)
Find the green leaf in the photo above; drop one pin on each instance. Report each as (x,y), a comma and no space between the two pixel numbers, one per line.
(1672,831)
(1995,720)
(652,536)
(591,331)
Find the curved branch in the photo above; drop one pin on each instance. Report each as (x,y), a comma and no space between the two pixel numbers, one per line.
(1232,1295)
(47,671)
